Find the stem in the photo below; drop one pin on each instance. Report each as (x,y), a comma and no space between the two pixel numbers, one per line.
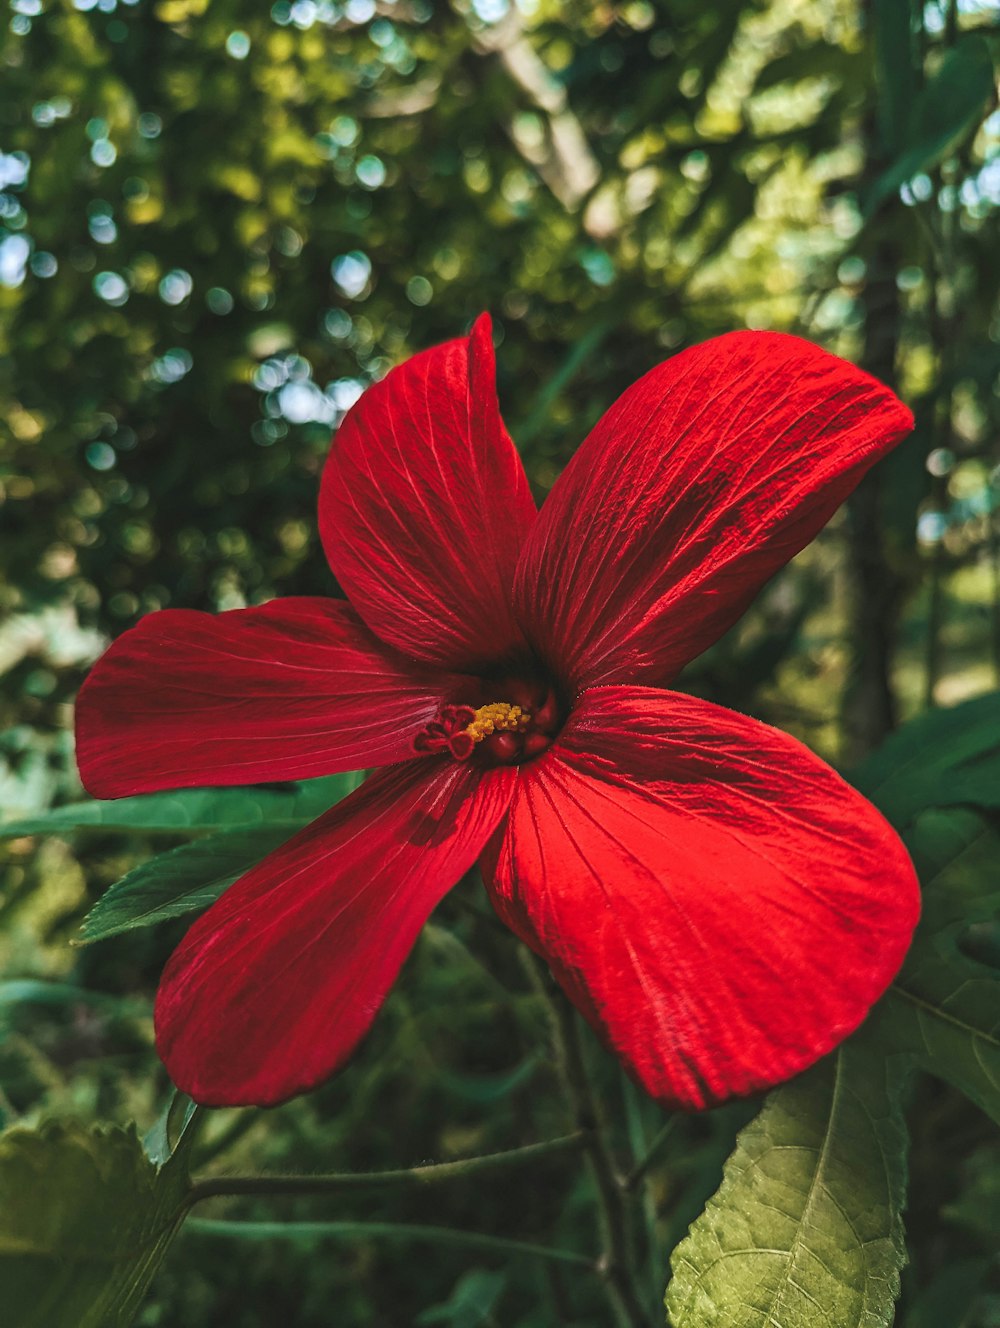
(995,607)
(935,614)
(647,1258)
(643,1168)
(616,1265)
(479,1240)
(214,1187)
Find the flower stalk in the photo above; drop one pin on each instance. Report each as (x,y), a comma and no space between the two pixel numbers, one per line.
(407,1231)
(215,1187)
(616,1264)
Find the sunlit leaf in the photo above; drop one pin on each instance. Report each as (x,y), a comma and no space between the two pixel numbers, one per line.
(806,1228)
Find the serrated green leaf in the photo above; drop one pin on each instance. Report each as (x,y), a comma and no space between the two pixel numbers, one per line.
(192,811)
(180,881)
(85,1220)
(806,1228)
(943,758)
(946,110)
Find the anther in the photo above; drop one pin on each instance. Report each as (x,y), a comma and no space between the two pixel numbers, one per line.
(497,717)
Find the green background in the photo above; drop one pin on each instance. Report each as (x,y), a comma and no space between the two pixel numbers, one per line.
(217,224)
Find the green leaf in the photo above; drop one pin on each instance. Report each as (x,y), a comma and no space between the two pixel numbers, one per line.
(180,881)
(946,1300)
(894,71)
(944,1008)
(950,1023)
(487,1088)
(943,758)
(193,811)
(938,781)
(820,59)
(175,1118)
(471,1303)
(578,355)
(85,1220)
(946,110)
(806,1228)
(37,991)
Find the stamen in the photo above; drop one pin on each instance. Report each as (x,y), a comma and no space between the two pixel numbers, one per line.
(498,717)
(501,733)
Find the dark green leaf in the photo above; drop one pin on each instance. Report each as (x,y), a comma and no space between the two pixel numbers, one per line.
(945,111)
(471,1302)
(944,1008)
(895,73)
(949,1296)
(85,1220)
(818,60)
(180,881)
(943,758)
(806,1228)
(950,1022)
(484,1088)
(193,811)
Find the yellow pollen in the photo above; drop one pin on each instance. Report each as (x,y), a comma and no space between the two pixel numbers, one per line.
(498,717)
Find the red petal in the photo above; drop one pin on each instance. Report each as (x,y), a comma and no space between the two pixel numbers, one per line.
(425,505)
(715,899)
(293,689)
(702,480)
(274,986)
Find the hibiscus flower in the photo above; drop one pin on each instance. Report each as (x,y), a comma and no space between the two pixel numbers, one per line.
(717,902)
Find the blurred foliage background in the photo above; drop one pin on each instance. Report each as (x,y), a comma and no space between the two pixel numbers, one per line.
(218,223)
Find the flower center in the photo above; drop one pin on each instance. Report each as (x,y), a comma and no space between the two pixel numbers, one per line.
(500,732)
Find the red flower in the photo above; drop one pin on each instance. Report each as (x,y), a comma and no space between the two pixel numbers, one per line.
(719,904)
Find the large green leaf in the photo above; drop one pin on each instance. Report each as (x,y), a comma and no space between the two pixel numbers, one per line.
(192,811)
(806,1228)
(180,881)
(945,111)
(85,1220)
